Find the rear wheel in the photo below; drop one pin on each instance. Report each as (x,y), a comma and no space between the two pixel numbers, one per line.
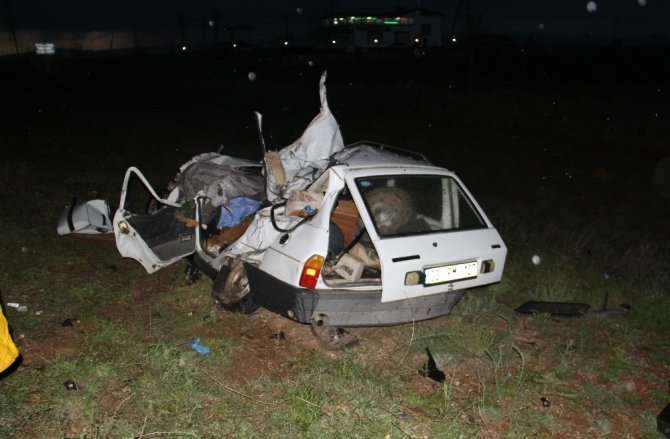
(231,288)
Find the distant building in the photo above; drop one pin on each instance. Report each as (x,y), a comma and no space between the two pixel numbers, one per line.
(401,28)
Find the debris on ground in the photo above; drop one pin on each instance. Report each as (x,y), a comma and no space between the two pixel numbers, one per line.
(87,218)
(192,274)
(430,369)
(334,338)
(202,350)
(69,322)
(563,309)
(71,385)
(278,336)
(571,309)
(17,306)
(663,421)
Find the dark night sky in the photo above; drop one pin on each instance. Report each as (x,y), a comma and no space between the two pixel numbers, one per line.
(89,24)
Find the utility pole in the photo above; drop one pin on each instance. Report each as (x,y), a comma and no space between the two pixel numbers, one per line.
(286,16)
(111,43)
(16,42)
(203,43)
(181,31)
(137,46)
(214,23)
(453,23)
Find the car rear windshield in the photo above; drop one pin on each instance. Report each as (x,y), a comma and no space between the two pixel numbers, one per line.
(415,204)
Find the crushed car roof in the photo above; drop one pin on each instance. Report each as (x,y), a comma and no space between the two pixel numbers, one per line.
(375,155)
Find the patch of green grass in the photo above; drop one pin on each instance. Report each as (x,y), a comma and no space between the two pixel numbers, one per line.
(482,301)
(13,399)
(649,312)
(166,392)
(340,396)
(533,423)
(470,336)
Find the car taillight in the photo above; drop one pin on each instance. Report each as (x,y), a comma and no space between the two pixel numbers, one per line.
(310,272)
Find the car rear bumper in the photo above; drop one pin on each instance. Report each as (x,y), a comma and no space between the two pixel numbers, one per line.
(344,307)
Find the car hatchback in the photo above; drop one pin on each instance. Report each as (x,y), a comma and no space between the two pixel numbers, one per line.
(318,232)
(394,240)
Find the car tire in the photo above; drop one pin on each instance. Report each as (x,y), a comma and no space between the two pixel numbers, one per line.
(231,289)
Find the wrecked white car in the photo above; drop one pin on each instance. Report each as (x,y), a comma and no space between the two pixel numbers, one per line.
(320,233)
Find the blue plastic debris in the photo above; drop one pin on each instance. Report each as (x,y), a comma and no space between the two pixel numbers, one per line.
(202,350)
(237,209)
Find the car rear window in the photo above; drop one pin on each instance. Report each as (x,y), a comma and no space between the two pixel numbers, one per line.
(416,204)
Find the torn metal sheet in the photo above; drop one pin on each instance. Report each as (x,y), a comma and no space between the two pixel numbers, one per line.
(260,234)
(91,217)
(305,159)
(430,370)
(564,309)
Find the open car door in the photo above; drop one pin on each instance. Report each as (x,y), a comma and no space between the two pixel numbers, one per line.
(429,233)
(154,239)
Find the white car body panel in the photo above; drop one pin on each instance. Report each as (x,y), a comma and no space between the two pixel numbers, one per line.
(131,244)
(432,249)
(424,250)
(91,217)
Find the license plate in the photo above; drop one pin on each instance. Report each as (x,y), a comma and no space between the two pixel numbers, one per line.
(450,273)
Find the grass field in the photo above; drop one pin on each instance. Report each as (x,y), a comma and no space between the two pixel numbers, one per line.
(560,155)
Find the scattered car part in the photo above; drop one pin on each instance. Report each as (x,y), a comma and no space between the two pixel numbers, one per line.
(570,309)
(663,421)
(192,274)
(430,369)
(90,217)
(332,338)
(69,322)
(278,335)
(71,385)
(563,309)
